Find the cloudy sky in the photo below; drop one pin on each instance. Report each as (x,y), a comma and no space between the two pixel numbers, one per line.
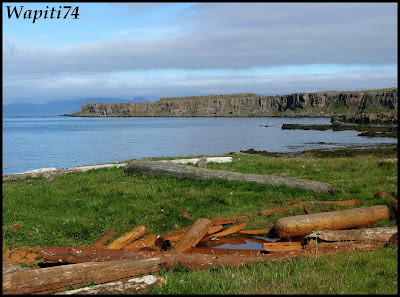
(126,50)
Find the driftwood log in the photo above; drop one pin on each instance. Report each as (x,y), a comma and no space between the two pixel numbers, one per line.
(192,237)
(230,220)
(102,241)
(193,261)
(46,281)
(333,220)
(181,171)
(380,234)
(119,287)
(170,239)
(147,242)
(127,238)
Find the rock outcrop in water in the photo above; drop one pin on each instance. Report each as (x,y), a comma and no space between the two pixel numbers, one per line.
(317,104)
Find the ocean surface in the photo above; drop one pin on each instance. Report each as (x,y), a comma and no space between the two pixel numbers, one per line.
(40,142)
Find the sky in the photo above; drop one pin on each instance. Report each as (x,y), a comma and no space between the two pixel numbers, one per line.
(127,50)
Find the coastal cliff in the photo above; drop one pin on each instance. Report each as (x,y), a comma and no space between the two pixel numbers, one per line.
(319,104)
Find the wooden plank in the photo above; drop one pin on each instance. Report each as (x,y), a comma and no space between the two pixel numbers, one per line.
(127,238)
(214,229)
(230,220)
(229,231)
(254,232)
(46,281)
(102,241)
(282,246)
(170,239)
(119,287)
(180,171)
(192,237)
(333,220)
(147,242)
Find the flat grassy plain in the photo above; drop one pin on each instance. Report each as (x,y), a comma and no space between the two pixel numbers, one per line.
(78,208)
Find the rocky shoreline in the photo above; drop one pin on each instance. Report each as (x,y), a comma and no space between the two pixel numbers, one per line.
(319,104)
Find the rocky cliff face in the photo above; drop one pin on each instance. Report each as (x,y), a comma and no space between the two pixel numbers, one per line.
(251,105)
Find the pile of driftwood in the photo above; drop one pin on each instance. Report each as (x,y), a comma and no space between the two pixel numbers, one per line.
(135,253)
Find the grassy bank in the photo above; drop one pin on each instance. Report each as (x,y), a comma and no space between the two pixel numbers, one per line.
(78,208)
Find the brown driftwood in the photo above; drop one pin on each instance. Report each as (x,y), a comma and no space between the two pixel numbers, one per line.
(168,259)
(214,229)
(230,220)
(229,231)
(194,261)
(192,237)
(342,203)
(14,227)
(344,246)
(127,238)
(215,251)
(278,210)
(209,242)
(392,160)
(254,232)
(185,215)
(119,287)
(170,239)
(180,171)
(45,281)
(102,241)
(147,242)
(380,234)
(282,246)
(333,220)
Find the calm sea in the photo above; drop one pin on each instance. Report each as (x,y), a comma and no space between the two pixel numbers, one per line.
(38,142)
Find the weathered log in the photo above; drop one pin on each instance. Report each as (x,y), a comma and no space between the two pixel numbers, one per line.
(14,227)
(119,287)
(278,210)
(46,281)
(168,259)
(181,171)
(392,160)
(230,220)
(229,231)
(127,238)
(218,251)
(102,241)
(254,232)
(185,215)
(282,246)
(146,242)
(342,203)
(381,234)
(214,229)
(170,239)
(383,194)
(344,246)
(333,220)
(192,237)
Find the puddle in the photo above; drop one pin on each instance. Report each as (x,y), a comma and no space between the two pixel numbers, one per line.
(244,243)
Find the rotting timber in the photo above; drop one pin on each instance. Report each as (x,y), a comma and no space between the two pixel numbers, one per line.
(180,171)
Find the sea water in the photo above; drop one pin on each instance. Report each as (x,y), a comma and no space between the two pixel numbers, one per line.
(40,142)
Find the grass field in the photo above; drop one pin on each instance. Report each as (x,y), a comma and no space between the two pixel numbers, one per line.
(78,208)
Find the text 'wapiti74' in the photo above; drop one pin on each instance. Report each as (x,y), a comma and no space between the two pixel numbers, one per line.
(47,13)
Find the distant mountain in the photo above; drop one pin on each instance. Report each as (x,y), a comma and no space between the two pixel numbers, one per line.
(55,108)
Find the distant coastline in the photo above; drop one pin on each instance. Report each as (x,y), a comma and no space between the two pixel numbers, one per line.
(318,104)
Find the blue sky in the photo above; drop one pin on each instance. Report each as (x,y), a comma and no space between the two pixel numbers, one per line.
(146,50)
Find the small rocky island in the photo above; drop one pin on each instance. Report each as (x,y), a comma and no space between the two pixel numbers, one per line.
(373,106)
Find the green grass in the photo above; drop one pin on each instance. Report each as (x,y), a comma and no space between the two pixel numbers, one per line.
(78,208)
